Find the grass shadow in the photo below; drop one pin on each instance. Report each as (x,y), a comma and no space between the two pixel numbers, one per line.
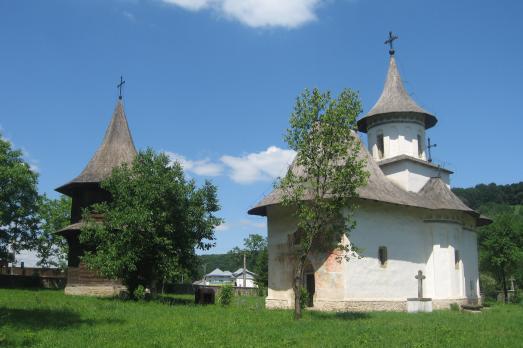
(39,319)
(173,301)
(340,315)
(167,300)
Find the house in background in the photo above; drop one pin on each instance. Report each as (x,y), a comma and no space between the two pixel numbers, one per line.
(249,279)
(219,277)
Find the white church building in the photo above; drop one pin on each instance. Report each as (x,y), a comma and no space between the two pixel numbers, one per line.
(408,220)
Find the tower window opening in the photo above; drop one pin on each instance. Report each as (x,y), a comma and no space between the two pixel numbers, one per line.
(381,146)
(420,147)
(457,259)
(382,256)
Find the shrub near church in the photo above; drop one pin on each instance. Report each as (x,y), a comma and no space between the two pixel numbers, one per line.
(153,223)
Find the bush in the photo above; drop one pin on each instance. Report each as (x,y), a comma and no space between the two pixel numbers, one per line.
(226,295)
(304,298)
(488,286)
(454,307)
(517,298)
(139,293)
(261,291)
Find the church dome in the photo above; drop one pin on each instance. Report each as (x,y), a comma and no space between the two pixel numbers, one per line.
(395,101)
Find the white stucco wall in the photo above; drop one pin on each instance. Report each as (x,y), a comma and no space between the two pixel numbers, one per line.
(411,175)
(408,249)
(279,224)
(400,138)
(414,240)
(249,283)
(470,257)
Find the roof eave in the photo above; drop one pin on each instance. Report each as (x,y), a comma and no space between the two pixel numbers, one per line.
(430,120)
(401,158)
(71,187)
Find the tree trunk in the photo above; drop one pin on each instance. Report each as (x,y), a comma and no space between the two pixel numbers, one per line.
(154,288)
(297,290)
(504,283)
(297,297)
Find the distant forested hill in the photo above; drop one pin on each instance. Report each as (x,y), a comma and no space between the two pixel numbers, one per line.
(481,195)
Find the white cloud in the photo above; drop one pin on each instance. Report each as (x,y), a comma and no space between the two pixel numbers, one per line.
(34,168)
(130,16)
(249,223)
(262,166)
(247,169)
(191,5)
(28,257)
(223,227)
(200,167)
(33,164)
(258,13)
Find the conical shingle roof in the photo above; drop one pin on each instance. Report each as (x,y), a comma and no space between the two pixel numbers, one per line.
(435,195)
(117,148)
(394,99)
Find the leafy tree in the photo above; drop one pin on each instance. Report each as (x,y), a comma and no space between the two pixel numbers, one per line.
(501,246)
(261,269)
(54,215)
(209,262)
(18,202)
(482,194)
(253,245)
(321,186)
(153,223)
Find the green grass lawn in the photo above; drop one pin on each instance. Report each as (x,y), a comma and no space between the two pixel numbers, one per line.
(51,319)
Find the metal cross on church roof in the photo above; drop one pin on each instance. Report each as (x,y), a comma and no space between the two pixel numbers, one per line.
(120,86)
(429,147)
(390,42)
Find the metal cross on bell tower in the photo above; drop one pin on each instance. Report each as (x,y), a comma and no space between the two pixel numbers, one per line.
(390,41)
(120,86)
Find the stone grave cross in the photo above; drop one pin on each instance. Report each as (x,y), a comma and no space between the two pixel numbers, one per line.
(420,278)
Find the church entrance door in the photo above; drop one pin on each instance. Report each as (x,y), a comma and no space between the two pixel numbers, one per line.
(311,288)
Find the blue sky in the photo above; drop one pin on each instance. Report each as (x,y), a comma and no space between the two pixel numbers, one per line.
(213,82)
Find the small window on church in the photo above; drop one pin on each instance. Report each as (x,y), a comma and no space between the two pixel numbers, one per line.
(457,258)
(295,238)
(381,146)
(382,256)
(420,147)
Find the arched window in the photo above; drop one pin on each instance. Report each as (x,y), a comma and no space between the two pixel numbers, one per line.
(381,146)
(382,256)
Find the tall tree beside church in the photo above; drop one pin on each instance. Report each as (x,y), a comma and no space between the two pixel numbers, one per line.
(253,245)
(153,223)
(501,245)
(54,214)
(321,185)
(18,202)
(261,269)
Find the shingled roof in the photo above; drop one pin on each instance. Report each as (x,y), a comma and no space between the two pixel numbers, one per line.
(435,195)
(394,99)
(117,148)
